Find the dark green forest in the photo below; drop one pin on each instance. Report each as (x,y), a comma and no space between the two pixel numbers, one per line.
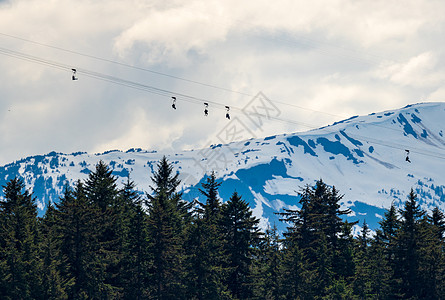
(105,241)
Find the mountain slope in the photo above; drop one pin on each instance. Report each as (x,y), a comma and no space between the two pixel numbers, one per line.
(363,157)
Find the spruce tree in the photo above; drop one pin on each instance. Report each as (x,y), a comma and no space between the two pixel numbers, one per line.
(241,233)
(79,229)
(136,260)
(362,277)
(339,233)
(437,219)
(294,277)
(407,255)
(19,239)
(212,206)
(343,261)
(204,247)
(380,272)
(431,256)
(54,286)
(165,227)
(323,239)
(101,188)
(102,192)
(386,241)
(267,266)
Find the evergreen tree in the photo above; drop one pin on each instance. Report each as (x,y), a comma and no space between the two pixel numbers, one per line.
(128,201)
(295,278)
(205,247)
(380,272)
(241,234)
(267,266)
(362,278)
(407,255)
(101,242)
(79,229)
(322,268)
(53,284)
(386,242)
(212,207)
(136,258)
(431,256)
(101,188)
(205,272)
(19,239)
(343,262)
(339,233)
(323,238)
(165,227)
(102,192)
(437,219)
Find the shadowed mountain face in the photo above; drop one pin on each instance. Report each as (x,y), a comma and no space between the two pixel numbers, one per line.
(365,158)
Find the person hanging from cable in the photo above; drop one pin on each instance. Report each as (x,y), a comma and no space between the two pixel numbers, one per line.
(174,102)
(407,156)
(74,74)
(206,111)
(227,113)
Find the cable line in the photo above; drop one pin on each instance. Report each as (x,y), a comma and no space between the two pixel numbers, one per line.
(182,78)
(192,99)
(164,74)
(125,65)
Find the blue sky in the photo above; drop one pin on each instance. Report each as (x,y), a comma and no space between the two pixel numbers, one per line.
(318,61)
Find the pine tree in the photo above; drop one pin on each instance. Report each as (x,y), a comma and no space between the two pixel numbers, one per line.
(386,242)
(53,284)
(102,192)
(339,233)
(101,188)
(294,279)
(407,255)
(322,267)
(204,247)
(79,229)
(241,234)
(267,266)
(136,258)
(343,262)
(437,219)
(19,239)
(166,228)
(323,238)
(362,278)
(212,207)
(431,256)
(380,272)
(127,203)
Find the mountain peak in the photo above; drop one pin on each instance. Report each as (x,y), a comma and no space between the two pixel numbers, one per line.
(364,157)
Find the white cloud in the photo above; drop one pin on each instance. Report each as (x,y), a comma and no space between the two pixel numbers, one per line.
(437,95)
(170,35)
(418,71)
(342,57)
(187,25)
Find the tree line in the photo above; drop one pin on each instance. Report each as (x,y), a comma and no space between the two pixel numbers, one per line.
(102,241)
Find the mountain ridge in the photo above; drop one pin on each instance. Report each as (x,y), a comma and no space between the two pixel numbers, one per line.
(364,157)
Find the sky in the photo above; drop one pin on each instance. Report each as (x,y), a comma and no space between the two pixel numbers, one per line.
(314,62)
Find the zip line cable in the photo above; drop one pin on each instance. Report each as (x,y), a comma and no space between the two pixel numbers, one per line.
(179,78)
(164,74)
(125,65)
(191,99)
(135,85)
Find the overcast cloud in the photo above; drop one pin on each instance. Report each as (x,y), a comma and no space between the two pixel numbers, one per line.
(328,59)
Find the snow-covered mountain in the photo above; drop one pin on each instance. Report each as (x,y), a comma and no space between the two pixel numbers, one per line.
(363,157)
